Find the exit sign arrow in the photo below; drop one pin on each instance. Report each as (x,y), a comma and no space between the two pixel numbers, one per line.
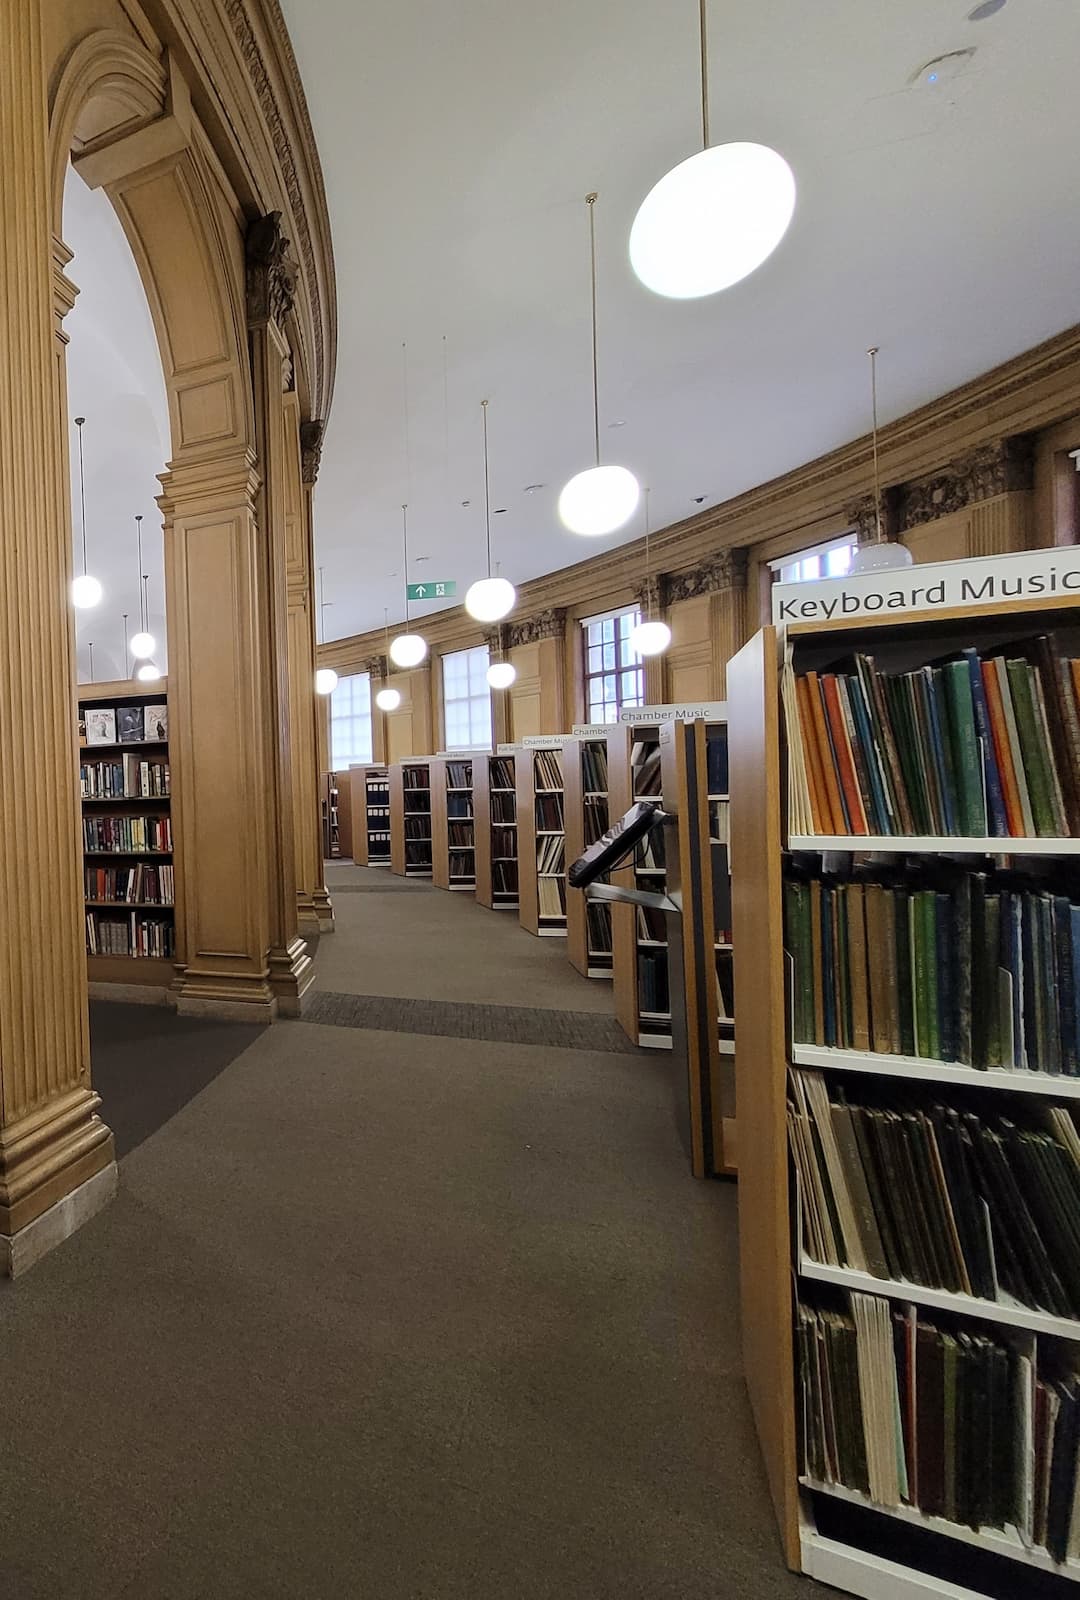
(431,590)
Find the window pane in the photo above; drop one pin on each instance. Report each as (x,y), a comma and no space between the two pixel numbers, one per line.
(609,656)
(350,721)
(630,688)
(596,658)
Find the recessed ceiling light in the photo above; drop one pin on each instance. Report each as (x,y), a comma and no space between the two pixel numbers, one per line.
(986,9)
(466,503)
(699,499)
(943,69)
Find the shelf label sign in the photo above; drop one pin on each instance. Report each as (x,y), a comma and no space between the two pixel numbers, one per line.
(431,590)
(593,730)
(505,749)
(544,741)
(932,586)
(692,711)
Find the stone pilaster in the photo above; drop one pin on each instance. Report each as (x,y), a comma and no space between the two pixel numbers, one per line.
(56,1155)
(311,438)
(300,566)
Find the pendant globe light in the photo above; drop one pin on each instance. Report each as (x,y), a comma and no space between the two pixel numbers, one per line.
(601,499)
(148,671)
(501,674)
(326,678)
(407,649)
(714,218)
(143,643)
(387,699)
(882,554)
(489,599)
(650,637)
(85,590)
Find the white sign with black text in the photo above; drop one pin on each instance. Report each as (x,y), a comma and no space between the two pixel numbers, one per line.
(932,586)
(692,711)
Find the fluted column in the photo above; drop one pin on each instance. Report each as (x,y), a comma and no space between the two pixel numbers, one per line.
(311,434)
(56,1155)
(299,567)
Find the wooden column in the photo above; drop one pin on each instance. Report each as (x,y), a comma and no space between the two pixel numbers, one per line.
(311,434)
(377,669)
(312,901)
(57,1164)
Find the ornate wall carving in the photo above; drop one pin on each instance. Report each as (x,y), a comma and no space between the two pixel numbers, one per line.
(1001,467)
(550,624)
(311,443)
(271,271)
(724,570)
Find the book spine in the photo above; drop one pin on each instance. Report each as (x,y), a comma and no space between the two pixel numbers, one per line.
(1035,758)
(845,764)
(995,798)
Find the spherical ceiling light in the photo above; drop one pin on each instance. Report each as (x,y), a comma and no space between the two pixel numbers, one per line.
(388,699)
(712,220)
(599,500)
(490,599)
(501,674)
(650,638)
(326,680)
(885,556)
(148,673)
(408,650)
(142,646)
(85,592)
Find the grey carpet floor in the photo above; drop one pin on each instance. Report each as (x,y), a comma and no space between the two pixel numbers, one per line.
(445,948)
(557,1030)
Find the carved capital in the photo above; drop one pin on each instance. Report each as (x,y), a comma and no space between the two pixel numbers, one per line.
(497,639)
(1001,467)
(311,440)
(724,570)
(375,666)
(549,624)
(271,271)
(648,594)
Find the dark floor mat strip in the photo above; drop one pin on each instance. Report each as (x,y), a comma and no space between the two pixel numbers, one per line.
(558,1030)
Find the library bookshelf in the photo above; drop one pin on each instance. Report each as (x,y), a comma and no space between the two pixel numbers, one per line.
(410,818)
(129,881)
(638,940)
(541,830)
(331,835)
(369,813)
(495,809)
(949,1026)
(588,924)
(695,791)
(453,823)
(344,811)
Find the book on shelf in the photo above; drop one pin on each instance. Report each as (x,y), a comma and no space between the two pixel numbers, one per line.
(459,833)
(126,835)
(502,772)
(125,779)
(645,774)
(549,810)
(100,725)
(414,777)
(551,898)
(650,852)
(716,764)
(504,806)
(551,854)
(594,768)
(719,822)
(653,992)
(725,985)
(417,804)
(598,928)
(547,769)
(418,853)
(461,865)
(129,725)
(418,827)
(971,744)
(156,723)
(651,924)
(503,844)
(938,962)
(504,877)
(131,935)
(594,817)
(459,805)
(459,774)
(978,1428)
(906,1187)
(138,885)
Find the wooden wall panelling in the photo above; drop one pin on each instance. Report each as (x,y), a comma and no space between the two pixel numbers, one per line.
(689,656)
(52,1142)
(311,897)
(526,713)
(761,1067)
(1056,503)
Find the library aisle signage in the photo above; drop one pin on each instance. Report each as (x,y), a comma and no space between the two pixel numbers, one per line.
(932,586)
(542,741)
(692,711)
(432,590)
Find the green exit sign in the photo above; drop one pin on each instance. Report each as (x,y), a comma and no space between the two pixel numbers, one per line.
(430,591)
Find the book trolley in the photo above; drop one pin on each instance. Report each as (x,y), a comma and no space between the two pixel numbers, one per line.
(453,827)
(495,807)
(905,803)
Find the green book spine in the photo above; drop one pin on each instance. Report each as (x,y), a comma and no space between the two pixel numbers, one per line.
(962,998)
(905,968)
(965,749)
(1035,757)
(928,904)
(922,974)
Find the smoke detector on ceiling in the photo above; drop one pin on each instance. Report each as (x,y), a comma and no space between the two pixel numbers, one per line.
(943,69)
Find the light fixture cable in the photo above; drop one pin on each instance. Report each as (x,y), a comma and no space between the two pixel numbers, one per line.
(590,201)
(143,619)
(873,354)
(487,486)
(405,556)
(648,565)
(704,75)
(82,491)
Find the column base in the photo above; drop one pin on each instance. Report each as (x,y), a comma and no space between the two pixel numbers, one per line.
(307,917)
(292,972)
(19,1251)
(45,1159)
(324,910)
(226,997)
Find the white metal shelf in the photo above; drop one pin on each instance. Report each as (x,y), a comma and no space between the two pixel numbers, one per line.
(945,1072)
(931,844)
(964,1305)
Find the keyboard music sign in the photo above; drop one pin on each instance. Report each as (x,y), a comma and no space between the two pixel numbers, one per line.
(932,586)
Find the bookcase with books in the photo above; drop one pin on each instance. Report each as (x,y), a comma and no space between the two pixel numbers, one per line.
(638,936)
(369,811)
(907,960)
(453,825)
(541,830)
(128,862)
(410,818)
(331,836)
(695,791)
(495,809)
(588,923)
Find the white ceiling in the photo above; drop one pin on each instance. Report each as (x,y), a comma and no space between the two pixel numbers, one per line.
(115,382)
(458,142)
